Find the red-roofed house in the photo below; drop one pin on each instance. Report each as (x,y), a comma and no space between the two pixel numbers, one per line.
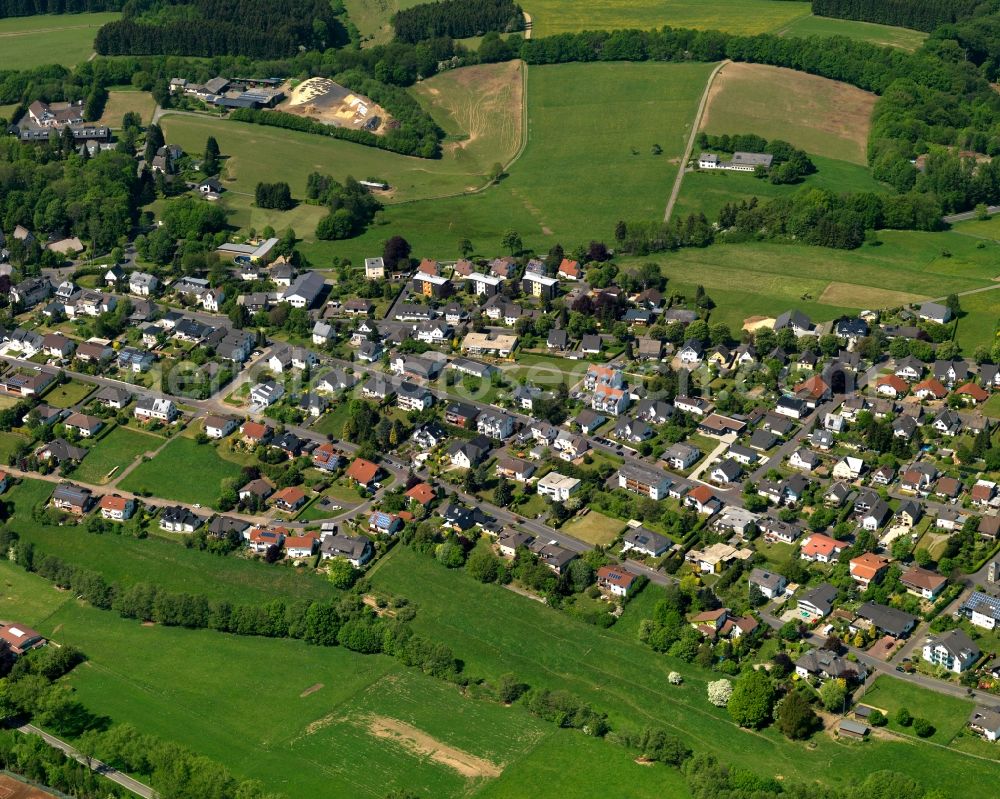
(301,546)
(422,493)
(362,472)
(289,499)
(868,567)
(891,386)
(930,389)
(255,433)
(429,267)
(972,394)
(616,580)
(821,548)
(261,538)
(813,390)
(116,508)
(568,269)
(702,500)
(20,638)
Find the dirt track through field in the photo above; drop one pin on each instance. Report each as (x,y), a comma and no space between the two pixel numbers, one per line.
(420,743)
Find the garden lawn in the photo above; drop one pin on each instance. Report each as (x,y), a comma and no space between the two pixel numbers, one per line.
(594,528)
(118,448)
(496,631)
(66,39)
(992,407)
(332,422)
(68,394)
(946,713)
(184,471)
(127,560)
(903,38)
(8,443)
(821,116)
(734,16)
(979,322)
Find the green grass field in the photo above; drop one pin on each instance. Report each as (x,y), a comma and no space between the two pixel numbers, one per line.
(118,448)
(903,38)
(708,191)
(69,394)
(129,560)
(307,717)
(588,162)
(372,17)
(26,597)
(68,39)
(8,443)
(120,102)
(765,279)
(821,116)
(735,16)
(594,528)
(496,631)
(946,713)
(169,474)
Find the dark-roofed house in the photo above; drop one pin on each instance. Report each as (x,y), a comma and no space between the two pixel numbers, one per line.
(818,602)
(178,519)
(889,620)
(770,584)
(72,498)
(356,550)
(953,650)
(644,542)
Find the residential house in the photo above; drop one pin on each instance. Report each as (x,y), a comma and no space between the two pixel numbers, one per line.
(868,568)
(952,650)
(643,480)
(923,582)
(72,498)
(770,584)
(362,472)
(155,408)
(219,426)
(821,548)
(644,542)
(85,426)
(557,486)
(681,456)
(178,519)
(496,424)
(289,499)
(116,508)
(817,602)
(616,580)
(305,290)
(891,621)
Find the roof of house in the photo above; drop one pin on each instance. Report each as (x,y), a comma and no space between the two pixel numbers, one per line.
(362,471)
(615,575)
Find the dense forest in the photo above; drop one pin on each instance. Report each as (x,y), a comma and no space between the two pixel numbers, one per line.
(458,19)
(50,188)
(252,28)
(29,8)
(921,15)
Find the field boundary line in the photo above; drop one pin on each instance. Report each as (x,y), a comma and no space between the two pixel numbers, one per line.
(702,104)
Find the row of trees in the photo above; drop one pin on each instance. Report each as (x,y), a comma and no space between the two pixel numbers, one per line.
(251,28)
(922,15)
(29,8)
(458,19)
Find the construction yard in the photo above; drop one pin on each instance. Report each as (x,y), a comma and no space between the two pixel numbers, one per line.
(322,100)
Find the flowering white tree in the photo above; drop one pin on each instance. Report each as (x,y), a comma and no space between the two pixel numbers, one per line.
(719,692)
(675,678)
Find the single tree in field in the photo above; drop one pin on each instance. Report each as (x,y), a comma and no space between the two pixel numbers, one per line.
(795,717)
(465,247)
(210,162)
(512,241)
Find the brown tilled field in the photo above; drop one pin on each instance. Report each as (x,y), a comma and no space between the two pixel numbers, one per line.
(823,117)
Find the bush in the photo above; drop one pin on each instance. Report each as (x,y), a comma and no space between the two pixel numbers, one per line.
(923,728)
(719,692)
(903,717)
(877,718)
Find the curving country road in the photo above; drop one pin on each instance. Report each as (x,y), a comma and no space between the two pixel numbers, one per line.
(113,774)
